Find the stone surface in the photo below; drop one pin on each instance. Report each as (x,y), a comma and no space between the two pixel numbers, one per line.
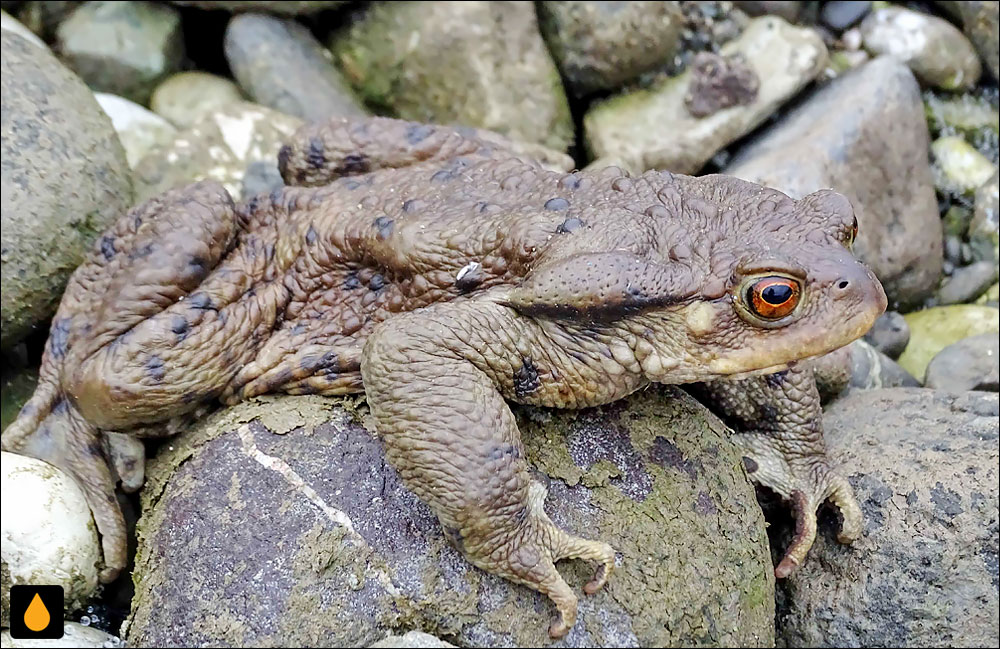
(75,635)
(787,9)
(972,363)
(960,167)
(349,556)
(219,146)
(185,97)
(970,115)
(981,23)
(937,51)
(967,283)
(839,15)
(413,639)
(872,370)
(889,334)
(139,130)
(280,64)
(48,534)
(282,7)
(470,63)
(11,24)
(65,179)
(984,229)
(923,464)
(865,135)
(42,17)
(931,330)
(653,129)
(601,45)
(124,48)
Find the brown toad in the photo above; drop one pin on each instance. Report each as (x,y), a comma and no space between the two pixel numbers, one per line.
(442,272)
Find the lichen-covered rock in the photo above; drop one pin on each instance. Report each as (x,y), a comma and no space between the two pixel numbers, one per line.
(65,179)
(923,464)
(281,7)
(968,114)
(981,23)
(291,492)
(220,146)
(828,141)
(600,45)
(960,167)
(931,330)
(124,48)
(280,64)
(139,130)
(654,129)
(478,64)
(185,97)
(937,52)
(48,534)
(984,228)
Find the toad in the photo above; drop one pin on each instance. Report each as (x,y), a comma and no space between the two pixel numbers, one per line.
(444,273)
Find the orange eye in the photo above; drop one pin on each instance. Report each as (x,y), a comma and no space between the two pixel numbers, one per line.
(772,297)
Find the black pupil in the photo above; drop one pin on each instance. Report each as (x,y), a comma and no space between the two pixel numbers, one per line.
(776,294)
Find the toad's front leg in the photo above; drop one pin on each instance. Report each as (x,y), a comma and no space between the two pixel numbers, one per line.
(435,381)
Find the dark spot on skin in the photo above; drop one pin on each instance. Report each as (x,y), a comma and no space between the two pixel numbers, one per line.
(96,449)
(442,176)
(503,451)
(417,133)
(352,184)
(454,536)
(376,282)
(108,247)
(26,410)
(59,338)
(768,412)
(557,204)
(316,157)
(777,379)
(570,182)
(412,205)
(142,252)
(666,454)
(282,377)
(180,326)
(352,281)
(61,407)
(946,501)
(383,225)
(298,329)
(311,235)
(354,163)
(469,277)
(253,204)
(526,378)
(276,195)
(155,368)
(200,301)
(571,224)
(136,222)
(750,464)
(189,397)
(283,156)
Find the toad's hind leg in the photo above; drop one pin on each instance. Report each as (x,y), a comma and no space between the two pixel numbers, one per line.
(454,441)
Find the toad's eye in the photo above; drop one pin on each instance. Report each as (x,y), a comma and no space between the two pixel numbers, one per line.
(772,297)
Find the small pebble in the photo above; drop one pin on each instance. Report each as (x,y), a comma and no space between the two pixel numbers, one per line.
(889,334)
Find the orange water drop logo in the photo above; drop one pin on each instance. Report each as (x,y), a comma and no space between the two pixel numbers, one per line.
(36,616)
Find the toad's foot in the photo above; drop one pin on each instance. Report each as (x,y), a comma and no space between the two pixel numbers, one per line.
(807,482)
(528,553)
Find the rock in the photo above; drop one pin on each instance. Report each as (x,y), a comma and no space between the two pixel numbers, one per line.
(74,635)
(124,48)
(42,17)
(991,296)
(961,169)
(11,24)
(413,639)
(827,142)
(601,45)
(186,96)
(981,22)
(139,130)
(969,364)
(969,115)
(282,7)
(923,464)
(984,229)
(261,177)
(871,370)
(787,9)
(653,128)
(840,15)
(350,556)
(931,330)
(719,82)
(48,534)
(471,63)
(280,64)
(16,388)
(65,179)
(937,52)
(889,334)
(967,283)
(219,146)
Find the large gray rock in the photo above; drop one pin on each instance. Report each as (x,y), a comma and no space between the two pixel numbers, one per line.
(292,530)
(600,45)
(969,364)
(65,179)
(280,64)
(653,128)
(470,63)
(864,135)
(124,48)
(923,464)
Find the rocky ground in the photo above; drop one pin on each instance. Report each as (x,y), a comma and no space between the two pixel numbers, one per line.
(277,522)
